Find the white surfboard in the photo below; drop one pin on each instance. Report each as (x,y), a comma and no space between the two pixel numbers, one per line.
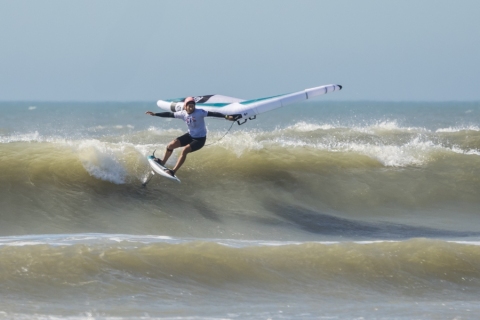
(158,168)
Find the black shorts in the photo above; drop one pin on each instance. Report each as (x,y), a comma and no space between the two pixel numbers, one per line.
(195,143)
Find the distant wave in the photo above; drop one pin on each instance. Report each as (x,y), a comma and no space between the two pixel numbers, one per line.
(134,260)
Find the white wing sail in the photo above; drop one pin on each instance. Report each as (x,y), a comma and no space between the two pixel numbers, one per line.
(247,108)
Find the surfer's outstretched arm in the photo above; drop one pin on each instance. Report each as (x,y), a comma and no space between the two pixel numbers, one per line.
(161,114)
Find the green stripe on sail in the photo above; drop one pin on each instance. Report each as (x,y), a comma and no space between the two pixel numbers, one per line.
(214,105)
(261,99)
(223,104)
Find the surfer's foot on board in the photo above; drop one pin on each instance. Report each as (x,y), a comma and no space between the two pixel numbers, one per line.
(170,172)
(159,161)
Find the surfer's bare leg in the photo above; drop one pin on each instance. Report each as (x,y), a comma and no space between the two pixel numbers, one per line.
(182,157)
(168,152)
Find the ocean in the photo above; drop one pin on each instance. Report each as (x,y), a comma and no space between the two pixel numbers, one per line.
(319,210)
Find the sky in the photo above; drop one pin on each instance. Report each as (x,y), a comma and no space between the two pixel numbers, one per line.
(408,50)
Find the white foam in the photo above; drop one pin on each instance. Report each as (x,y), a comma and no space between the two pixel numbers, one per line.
(415,152)
(385,125)
(102,160)
(112,162)
(308,127)
(458,129)
(388,125)
(23,137)
(161,132)
(97,128)
(117,127)
(85,238)
(241,142)
(418,150)
(30,137)
(466,152)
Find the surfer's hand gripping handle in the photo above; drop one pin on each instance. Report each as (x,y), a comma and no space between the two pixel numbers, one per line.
(233,117)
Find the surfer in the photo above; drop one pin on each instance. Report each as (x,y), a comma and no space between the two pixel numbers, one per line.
(196,136)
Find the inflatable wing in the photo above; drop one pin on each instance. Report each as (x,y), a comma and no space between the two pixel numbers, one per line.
(247,108)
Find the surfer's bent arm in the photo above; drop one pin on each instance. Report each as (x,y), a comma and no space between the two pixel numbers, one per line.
(215,114)
(232,117)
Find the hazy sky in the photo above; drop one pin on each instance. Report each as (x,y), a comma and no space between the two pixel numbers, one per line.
(147,50)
